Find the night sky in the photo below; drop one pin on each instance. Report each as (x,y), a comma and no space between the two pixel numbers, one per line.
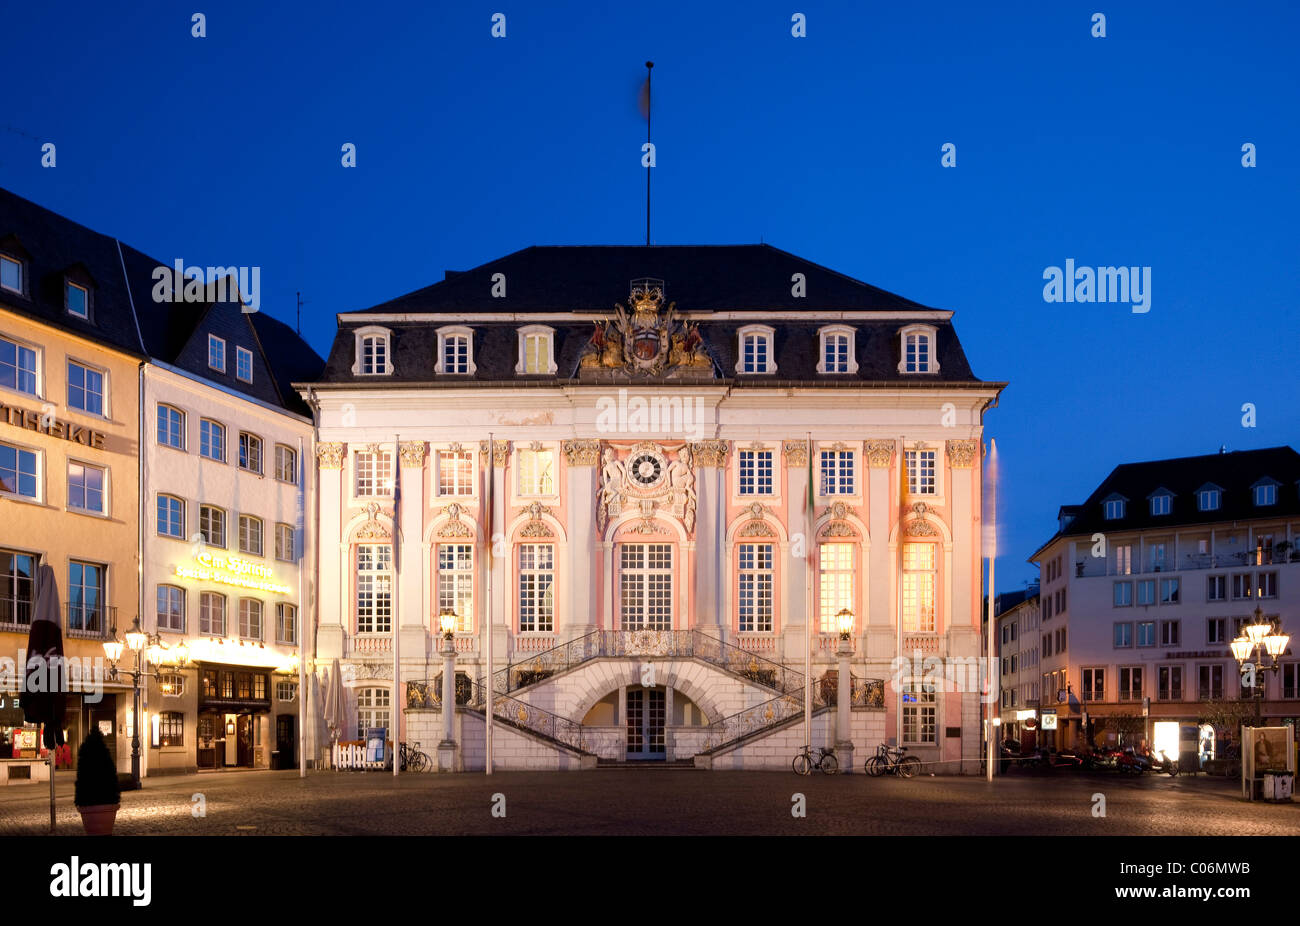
(1123,150)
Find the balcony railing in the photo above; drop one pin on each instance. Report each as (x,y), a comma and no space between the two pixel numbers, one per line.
(88,622)
(1092,567)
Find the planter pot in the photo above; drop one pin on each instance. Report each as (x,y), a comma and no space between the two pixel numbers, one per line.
(98,818)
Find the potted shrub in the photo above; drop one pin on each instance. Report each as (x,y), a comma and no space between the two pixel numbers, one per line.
(97,792)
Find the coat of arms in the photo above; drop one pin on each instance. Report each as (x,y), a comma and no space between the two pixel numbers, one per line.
(643,340)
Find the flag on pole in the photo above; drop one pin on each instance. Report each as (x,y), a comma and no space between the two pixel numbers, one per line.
(810,554)
(990,532)
(396,591)
(487,611)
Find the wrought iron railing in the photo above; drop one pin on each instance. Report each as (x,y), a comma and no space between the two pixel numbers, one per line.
(662,643)
(88,622)
(727,730)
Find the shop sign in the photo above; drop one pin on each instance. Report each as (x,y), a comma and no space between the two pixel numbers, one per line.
(231,570)
(43,423)
(1049,719)
(11,714)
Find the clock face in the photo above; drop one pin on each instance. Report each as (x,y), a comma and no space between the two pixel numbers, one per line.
(645,469)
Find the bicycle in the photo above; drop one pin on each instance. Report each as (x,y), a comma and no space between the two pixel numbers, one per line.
(890,759)
(412,759)
(804,763)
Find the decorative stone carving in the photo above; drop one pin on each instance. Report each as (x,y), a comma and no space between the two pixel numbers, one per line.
(455,527)
(756,529)
(373,528)
(649,481)
(330,454)
(536,510)
(645,341)
(581,452)
(838,511)
(412,453)
(536,529)
(356,671)
(838,529)
(879,452)
(919,526)
(710,453)
(796,453)
(962,453)
(500,451)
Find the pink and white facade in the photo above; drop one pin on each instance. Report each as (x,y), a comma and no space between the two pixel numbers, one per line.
(637,539)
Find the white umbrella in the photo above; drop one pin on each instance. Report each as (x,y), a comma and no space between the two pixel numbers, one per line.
(334,701)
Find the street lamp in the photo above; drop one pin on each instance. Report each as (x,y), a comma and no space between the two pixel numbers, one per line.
(844,692)
(1263,635)
(844,623)
(137,640)
(447,748)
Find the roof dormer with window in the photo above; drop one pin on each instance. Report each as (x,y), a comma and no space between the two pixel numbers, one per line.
(755,350)
(1161,501)
(917,349)
(836,351)
(536,351)
(373,354)
(14,261)
(1114,506)
(1264,492)
(1209,497)
(455,351)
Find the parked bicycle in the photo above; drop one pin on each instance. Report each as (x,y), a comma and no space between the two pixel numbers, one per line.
(412,759)
(891,760)
(804,763)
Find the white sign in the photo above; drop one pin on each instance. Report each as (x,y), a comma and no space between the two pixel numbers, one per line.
(1049,720)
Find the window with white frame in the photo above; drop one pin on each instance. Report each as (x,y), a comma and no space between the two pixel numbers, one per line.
(1123,636)
(1265,494)
(171,517)
(286,623)
(536,588)
(1114,508)
(85,388)
(756,350)
(921,476)
(456,583)
(1208,498)
(86,588)
(1130,683)
(18,366)
(835,580)
(1123,595)
(646,586)
(171,684)
(244,364)
(250,452)
(455,351)
(171,427)
(1209,681)
(1146,633)
(536,472)
(372,351)
(536,350)
(1146,591)
(17,588)
(76,299)
(286,464)
(212,525)
(1170,591)
(836,472)
(19,472)
(755,587)
(212,440)
(1170,633)
(920,711)
(216,353)
(284,542)
(285,690)
(372,710)
(1267,585)
(250,535)
(373,476)
(1094,684)
(11,274)
(250,619)
(917,350)
(374,588)
(756,472)
(86,487)
(212,614)
(1169,683)
(1216,588)
(919,571)
(1216,630)
(455,472)
(1123,559)
(171,608)
(1160,504)
(837,354)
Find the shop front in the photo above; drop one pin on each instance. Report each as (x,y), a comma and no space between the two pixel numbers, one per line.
(234,710)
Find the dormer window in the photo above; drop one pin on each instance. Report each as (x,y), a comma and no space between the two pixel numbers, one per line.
(917,350)
(1114,507)
(536,350)
(244,364)
(76,298)
(837,353)
(1209,497)
(1161,502)
(756,350)
(455,351)
(216,353)
(372,352)
(11,274)
(1265,492)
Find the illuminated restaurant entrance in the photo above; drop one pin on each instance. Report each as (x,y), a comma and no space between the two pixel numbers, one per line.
(232,703)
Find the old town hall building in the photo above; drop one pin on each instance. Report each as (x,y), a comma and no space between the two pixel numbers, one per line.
(638,544)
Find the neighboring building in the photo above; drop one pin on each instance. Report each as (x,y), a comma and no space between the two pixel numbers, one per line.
(643,566)
(1017,616)
(1146,584)
(165,487)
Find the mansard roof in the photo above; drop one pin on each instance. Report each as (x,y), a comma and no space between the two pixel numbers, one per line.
(1236,473)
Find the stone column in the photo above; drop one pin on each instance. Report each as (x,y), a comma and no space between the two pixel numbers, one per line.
(332,558)
(883,565)
(796,573)
(843,708)
(580,612)
(964,589)
(412,622)
(447,747)
(501,501)
(710,528)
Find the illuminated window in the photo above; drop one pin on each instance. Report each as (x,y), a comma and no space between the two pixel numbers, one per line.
(835,583)
(536,472)
(456,583)
(374,473)
(920,712)
(374,588)
(455,472)
(918,587)
(212,614)
(921,472)
(536,587)
(171,729)
(535,350)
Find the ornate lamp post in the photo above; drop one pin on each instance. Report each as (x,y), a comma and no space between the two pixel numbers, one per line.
(148,648)
(447,748)
(844,694)
(1262,634)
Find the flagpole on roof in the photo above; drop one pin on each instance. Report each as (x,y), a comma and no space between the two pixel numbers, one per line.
(397,699)
(649,65)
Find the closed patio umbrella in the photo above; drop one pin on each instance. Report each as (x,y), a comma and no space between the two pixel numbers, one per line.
(334,701)
(45,679)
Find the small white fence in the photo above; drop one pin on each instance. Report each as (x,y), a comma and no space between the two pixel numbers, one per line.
(352,757)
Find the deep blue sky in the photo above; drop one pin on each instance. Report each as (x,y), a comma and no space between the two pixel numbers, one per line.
(1122,150)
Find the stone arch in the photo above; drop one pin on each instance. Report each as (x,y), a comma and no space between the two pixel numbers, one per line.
(612,529)
(628,673)
(384,520)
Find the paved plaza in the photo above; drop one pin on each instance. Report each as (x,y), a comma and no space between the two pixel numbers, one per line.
(660,802)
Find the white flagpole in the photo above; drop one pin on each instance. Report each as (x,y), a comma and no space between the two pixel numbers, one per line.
(491,476)
(991,551)
(300,542)
(809,559)
(898,578)
(396,713)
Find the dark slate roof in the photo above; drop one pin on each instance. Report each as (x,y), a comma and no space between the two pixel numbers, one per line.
(1234,472)
(174,333)
(591,278)
(1008,600)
